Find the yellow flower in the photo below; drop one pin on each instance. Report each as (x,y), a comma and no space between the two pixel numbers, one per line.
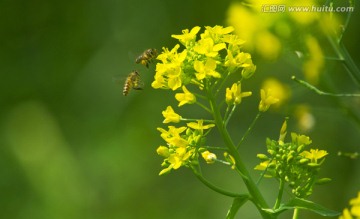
(199,125)
(167,56)
(354,211)
(170,115)
(206,47)
(185,98)
(172,137)
(174,78)
(300,139)
(234,95)
(187,36)
(241,60)
(206,70)
(314,155)
(355,206)
(209,157)
(159,81)
(355,201)
(346,214)
(262,166)
(266,100)
(169,72)
(233,40)
(177,159)
(278,89)
(219,30)
(216,33)
(248,71)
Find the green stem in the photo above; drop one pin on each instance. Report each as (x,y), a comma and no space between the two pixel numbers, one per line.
(296,213)
(249,129)
(213,187)
(256,196)
(280,194)
(195,120)
(203,106)
(320,92)
(347,60)
(230,114)
(263,173)
(227,111)
(222,84)
(215,148)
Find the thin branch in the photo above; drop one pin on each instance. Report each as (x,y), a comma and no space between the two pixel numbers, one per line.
(320,92)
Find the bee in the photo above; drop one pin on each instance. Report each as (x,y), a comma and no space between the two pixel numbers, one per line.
(146,57)
(132,82)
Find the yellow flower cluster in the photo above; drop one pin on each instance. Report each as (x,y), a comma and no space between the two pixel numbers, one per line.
(292,164)
(183,143)
(205,63)
(201,60)
(354,212)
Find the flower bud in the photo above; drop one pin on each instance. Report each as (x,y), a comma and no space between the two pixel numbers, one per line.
(209,157)
(323,181)
(163,151)
(262,156)
(304,160)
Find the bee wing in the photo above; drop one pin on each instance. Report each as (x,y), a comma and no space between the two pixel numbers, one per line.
(138,84)
(119,79)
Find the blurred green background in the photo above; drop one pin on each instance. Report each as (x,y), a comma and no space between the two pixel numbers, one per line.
(72,146)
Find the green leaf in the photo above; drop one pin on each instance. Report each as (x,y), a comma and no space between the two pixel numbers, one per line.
(237,203)
(303,204)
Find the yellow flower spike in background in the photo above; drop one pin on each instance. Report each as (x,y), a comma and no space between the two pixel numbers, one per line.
(253,26)
(269,26)
(305,118)
(170,115)
(266,100)
(278,90)
(234,95)
(185,98)
(314,64)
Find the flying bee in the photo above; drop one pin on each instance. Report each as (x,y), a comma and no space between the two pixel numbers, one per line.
(146,57)
(132,82)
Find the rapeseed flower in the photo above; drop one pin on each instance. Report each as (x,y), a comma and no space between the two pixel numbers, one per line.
(170,115)
(185,98)
(266,100)
(234,95)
